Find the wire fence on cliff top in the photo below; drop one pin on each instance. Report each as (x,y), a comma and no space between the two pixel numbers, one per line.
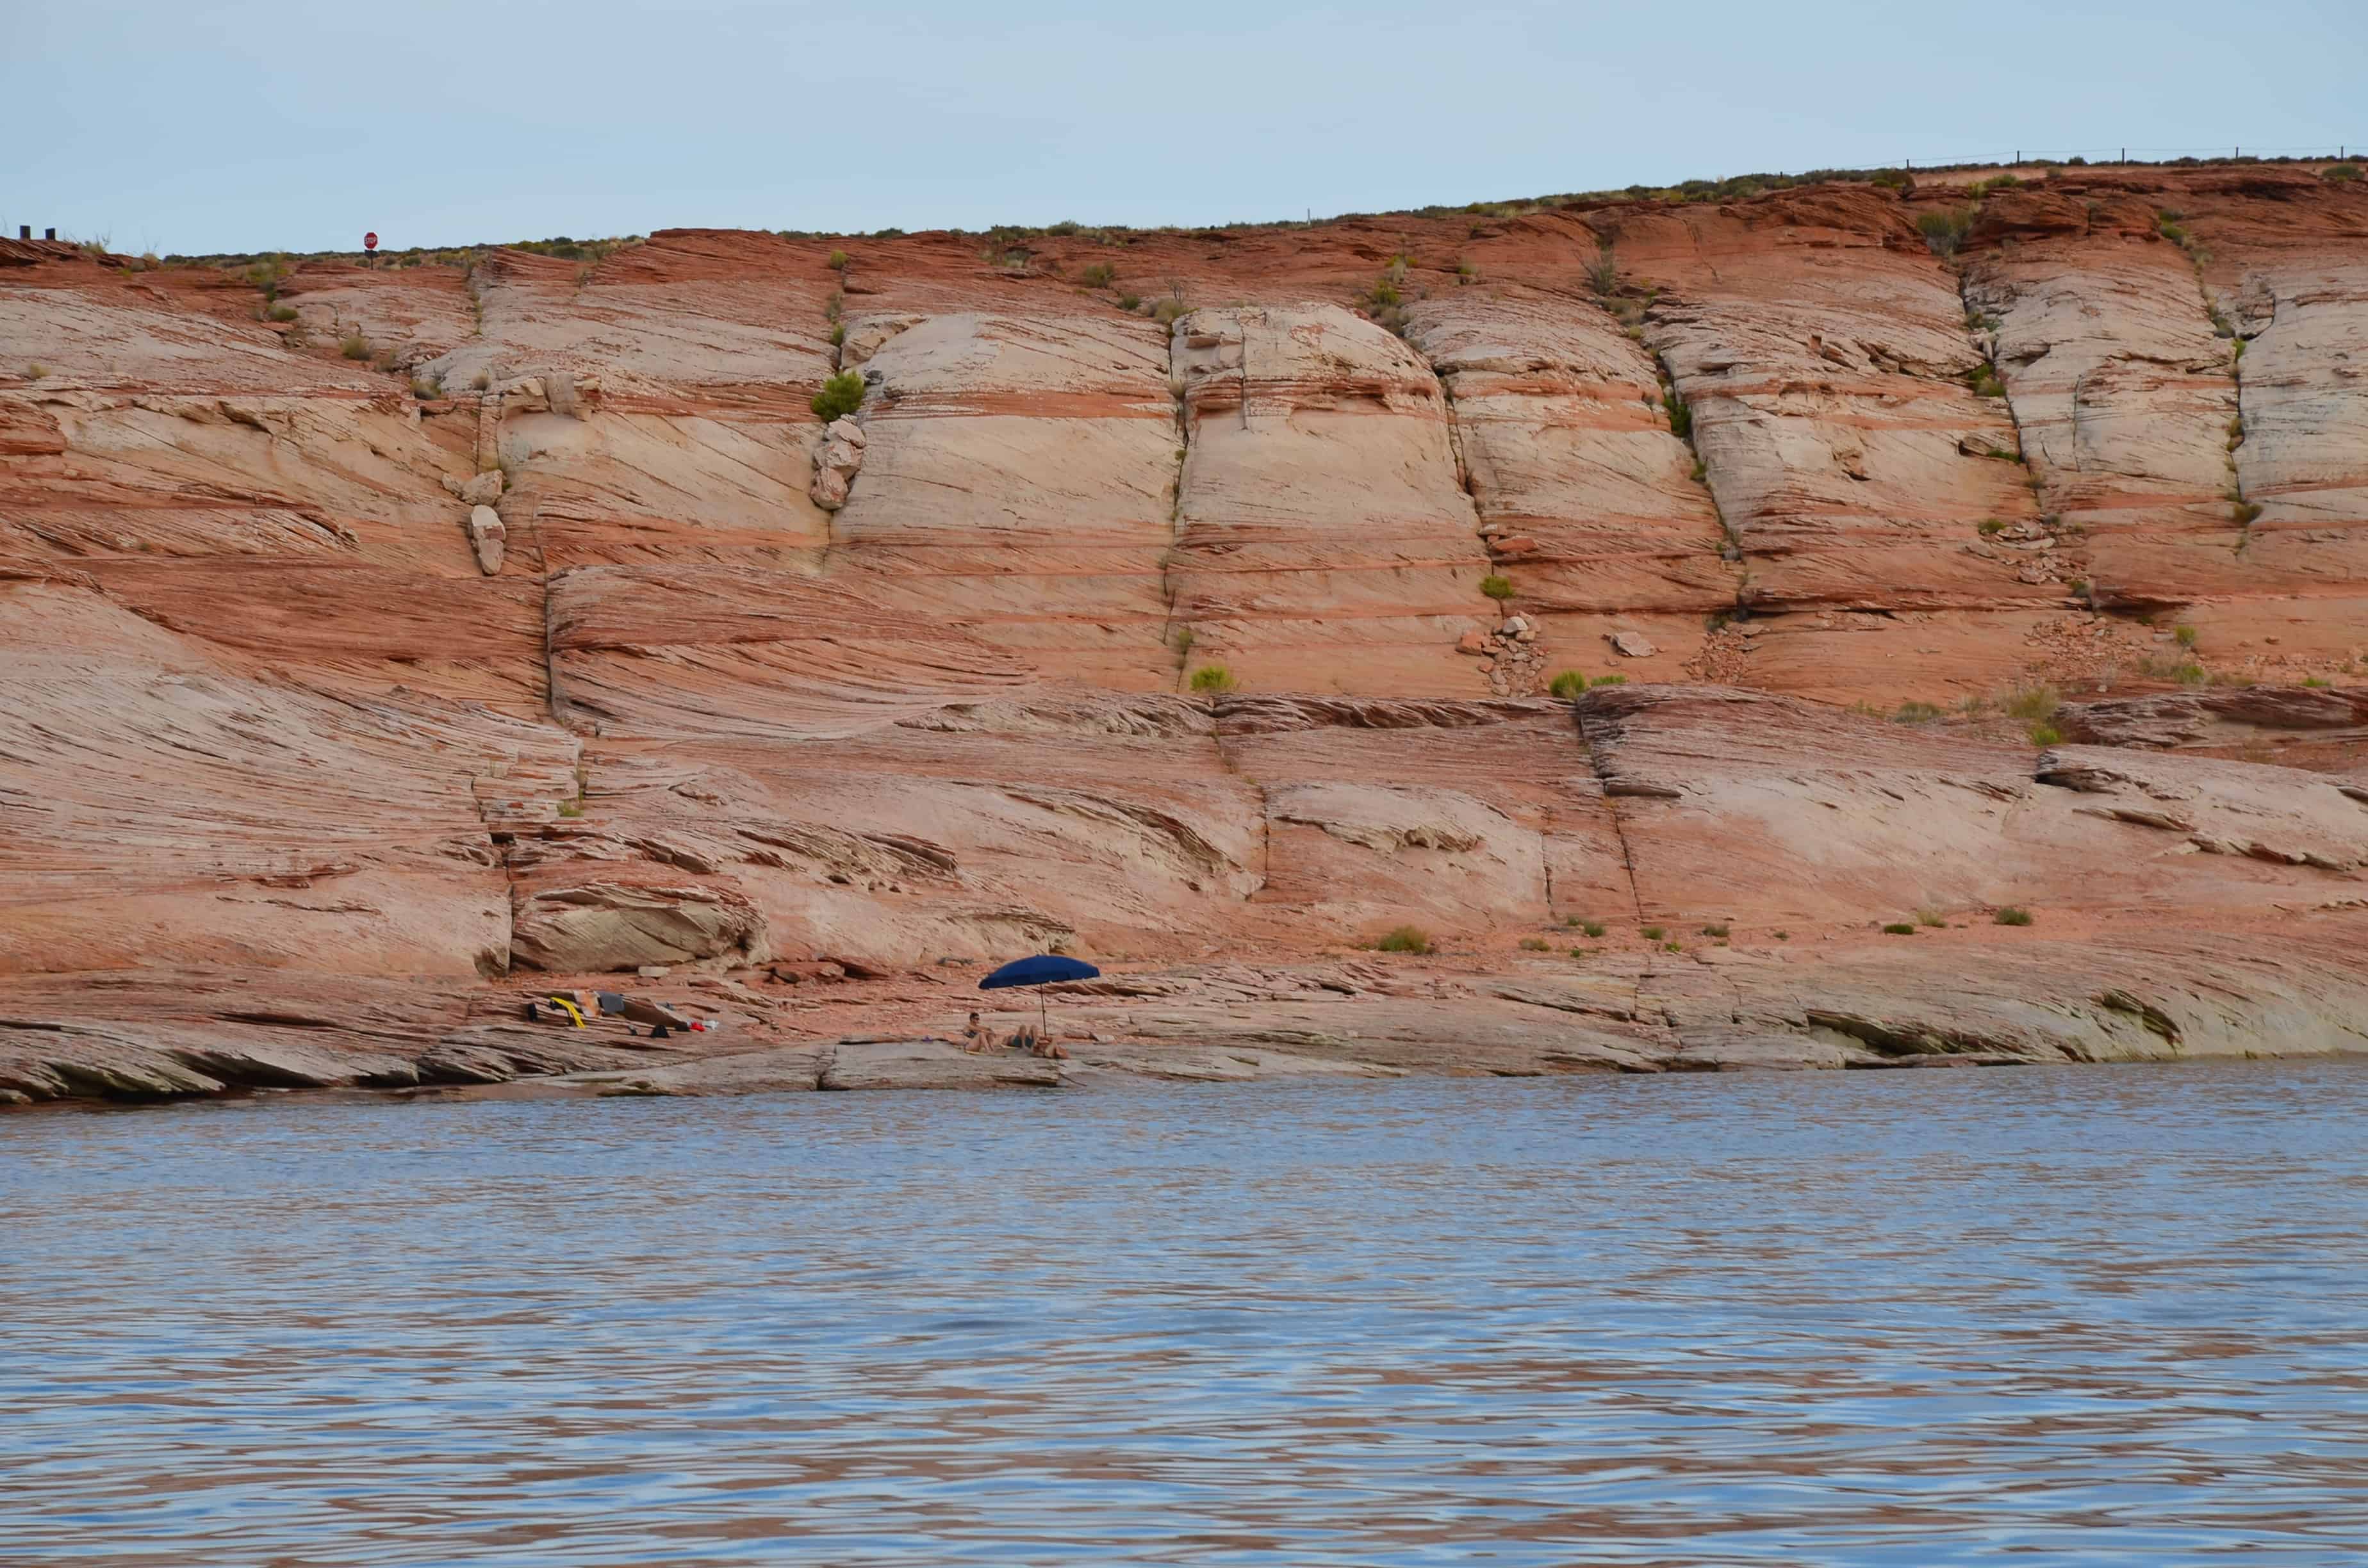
(2339,150)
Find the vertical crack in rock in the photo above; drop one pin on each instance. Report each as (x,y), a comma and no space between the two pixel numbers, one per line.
(1179,638)
(1601,769)
(1514,666)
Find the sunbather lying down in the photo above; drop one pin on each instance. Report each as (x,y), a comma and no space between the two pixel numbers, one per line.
(1026,1037)
(575,1006)
(977,1037)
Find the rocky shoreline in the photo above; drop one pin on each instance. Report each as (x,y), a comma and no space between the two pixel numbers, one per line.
(1983,998)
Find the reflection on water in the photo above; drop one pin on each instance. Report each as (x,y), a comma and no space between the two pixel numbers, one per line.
(2096,1315)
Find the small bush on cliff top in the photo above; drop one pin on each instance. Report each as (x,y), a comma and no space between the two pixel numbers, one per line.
(1213,678)
(2341,173)
(1944,232)
(841,395)
(1567,685)
(1404,939)
(1100,275)
(1496,587)
(1603,272)
(836,261)
(2010,915)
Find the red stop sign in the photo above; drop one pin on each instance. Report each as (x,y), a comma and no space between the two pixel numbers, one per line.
(369,241)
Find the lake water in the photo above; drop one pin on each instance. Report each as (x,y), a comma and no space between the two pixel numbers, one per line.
(2086,1316)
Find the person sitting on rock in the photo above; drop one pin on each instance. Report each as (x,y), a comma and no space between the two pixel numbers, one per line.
(976,1036)
(1023,1038)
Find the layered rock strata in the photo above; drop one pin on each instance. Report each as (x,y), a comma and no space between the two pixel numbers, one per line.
(378,644)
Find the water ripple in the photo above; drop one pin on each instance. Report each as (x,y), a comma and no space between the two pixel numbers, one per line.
(2105,1316)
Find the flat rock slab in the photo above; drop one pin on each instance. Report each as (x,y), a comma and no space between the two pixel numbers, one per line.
(933,1064)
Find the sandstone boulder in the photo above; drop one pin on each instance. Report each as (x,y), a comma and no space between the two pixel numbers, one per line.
(486,535)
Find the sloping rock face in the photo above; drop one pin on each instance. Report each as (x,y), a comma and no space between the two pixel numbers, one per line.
(1587,500)
(1322,539)
(440,633)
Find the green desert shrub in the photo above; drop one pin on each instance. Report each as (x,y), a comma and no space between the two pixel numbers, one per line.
(2010,915)
(2184,634)
(1917,713)
(1567,685)
(2029,702)
(837,261)
(1535,945)
(1213,678)
(281,313)
(841,395)
(1653,933)
(1100,275)
(1944,231)
(1404,939)
(2341,174)
(1608,680)
(1682,418)
(1603,272)
(2043,733)
(1899,929)
(1717,928)
(1497,587)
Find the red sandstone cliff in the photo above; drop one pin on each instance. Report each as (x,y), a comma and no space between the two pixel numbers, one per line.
(338,693)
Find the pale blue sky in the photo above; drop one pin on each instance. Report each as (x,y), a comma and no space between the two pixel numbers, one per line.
(209,125)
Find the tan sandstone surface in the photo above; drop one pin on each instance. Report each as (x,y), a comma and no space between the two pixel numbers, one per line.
(382,646)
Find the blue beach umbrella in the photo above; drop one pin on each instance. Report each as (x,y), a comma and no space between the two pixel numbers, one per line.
(1045,968)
